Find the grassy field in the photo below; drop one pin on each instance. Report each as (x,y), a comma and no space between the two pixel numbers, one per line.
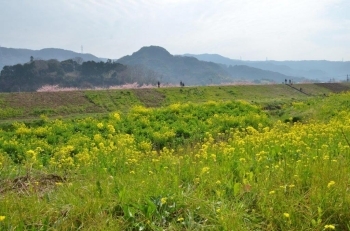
(76,103)
(195,158)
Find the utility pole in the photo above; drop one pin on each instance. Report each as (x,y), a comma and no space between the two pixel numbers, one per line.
(347,78)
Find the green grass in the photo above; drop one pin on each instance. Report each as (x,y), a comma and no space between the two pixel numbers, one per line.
(233,159)
(256,93)
(113,100)
(26,106)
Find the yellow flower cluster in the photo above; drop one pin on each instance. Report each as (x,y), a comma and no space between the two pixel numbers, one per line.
(62,158)
(329,227)
(330,184)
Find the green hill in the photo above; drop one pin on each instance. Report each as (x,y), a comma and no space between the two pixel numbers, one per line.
(174,69)
(36,74)
(196,71)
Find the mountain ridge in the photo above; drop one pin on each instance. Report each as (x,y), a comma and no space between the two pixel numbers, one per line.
(195,69)
(321,70)
(176,68)
(13,56)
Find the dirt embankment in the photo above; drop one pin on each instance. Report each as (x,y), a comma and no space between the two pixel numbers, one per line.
(334,87)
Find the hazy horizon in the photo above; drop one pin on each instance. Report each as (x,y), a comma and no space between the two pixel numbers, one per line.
(255,30)
(184,54)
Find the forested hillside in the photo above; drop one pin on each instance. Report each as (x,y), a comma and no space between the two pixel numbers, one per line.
(194,71)
(177,68)
(71,73)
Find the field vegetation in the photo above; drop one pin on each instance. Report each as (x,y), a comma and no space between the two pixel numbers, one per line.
(203,158)
(30,105)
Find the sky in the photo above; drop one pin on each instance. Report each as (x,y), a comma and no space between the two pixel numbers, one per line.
(237,29)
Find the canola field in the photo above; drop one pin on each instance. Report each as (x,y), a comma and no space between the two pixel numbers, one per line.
(210,166)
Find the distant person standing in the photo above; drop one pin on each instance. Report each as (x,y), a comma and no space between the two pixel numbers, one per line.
(158,84)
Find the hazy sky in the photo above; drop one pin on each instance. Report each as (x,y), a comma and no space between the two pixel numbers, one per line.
(250,29)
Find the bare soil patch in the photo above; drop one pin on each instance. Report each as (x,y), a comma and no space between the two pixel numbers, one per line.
(29,101)
(39,183)
(150,97)
(46,99)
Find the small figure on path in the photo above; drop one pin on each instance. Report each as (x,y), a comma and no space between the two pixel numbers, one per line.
(158,84)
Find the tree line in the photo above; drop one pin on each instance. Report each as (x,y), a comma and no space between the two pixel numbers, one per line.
(72,73)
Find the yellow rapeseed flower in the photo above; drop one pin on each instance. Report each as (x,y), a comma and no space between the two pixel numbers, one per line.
(205,170)
(163,200)
(272,192)
(330,184)
(116,116)
(2,218)
(100,125)
(331,227)
(286,215)
(180,219)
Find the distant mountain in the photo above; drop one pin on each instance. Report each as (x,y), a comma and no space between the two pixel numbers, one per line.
(215,58)
(315,69)
(155,63)
(174,69)
(12,56)
(247,73)
(192,71)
